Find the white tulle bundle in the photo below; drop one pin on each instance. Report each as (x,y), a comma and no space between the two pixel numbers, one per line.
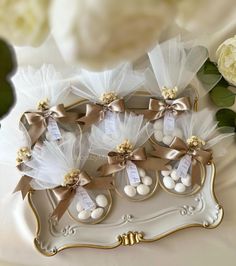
(128,127)
(174,66)
(53,161)
(203,125)
(13,139)
(121,81)
(34,85)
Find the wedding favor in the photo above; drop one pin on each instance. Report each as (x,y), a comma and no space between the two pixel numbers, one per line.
(60,167)
(15,152)
(106,92)
(71,157)
(174,66)
(41,94)
(135,172)
(190,154)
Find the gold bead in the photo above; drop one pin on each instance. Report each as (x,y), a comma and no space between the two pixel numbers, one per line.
(23,154)
(124,147)
(71,178)
(169,93)
(43,105)
(195,142)
(108,97)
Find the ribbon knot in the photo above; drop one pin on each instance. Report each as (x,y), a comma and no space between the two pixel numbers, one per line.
(158,108)
(96,112)
(38,120)
(178,149)
(76,178)
(117,161)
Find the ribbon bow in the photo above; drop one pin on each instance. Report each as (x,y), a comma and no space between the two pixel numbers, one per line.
(96,112)
(65,194)
(38,120)
(178,149)
(117,161)
(158,108)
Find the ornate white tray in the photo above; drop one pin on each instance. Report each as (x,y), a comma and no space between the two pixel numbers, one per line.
(128,222)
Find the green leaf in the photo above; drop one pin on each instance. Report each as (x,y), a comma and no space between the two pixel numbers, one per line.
(7,68)
(6,97)
(210,68)
(209,73)
(7,60)
(226,118)
(221,95)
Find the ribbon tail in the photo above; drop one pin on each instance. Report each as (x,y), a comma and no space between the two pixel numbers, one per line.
(91,118)
(63,204)
(70,117)
(22,167)
(24,186)
(105,182)
(152,163)
(36,130)
(108,169)
(167,153)
(196,172)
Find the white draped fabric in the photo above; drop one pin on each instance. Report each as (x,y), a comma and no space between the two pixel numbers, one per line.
(193,247)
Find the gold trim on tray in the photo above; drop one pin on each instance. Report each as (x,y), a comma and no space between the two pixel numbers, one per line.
(129,238)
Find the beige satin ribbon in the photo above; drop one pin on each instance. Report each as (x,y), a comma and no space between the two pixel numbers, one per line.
(65,194)
(158,108)
(117,162)
(178,148)
(96,112)
(24,185)
(38,120)
(22,167)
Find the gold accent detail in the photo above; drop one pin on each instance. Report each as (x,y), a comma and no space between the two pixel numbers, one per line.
(168,93)
(195,104)
(130,238)
(23,155)
(71,178)
(195,142)
(118,243)
(125,147)
(108,97)
(43,105)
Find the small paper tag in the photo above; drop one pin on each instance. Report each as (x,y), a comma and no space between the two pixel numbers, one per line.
(38,146)
(169,123)
(184,165)
(84,199)
(53,129)
(133,174)
(110,124)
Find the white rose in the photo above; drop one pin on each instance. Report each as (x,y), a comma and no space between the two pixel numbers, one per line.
(226,54)
(24,22)
(103,33)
